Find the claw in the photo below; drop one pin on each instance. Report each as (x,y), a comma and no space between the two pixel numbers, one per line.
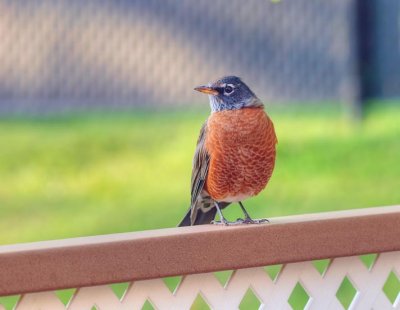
(240,221)
(255,221)
(225,223)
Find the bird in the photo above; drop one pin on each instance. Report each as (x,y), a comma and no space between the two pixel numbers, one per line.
(235,153)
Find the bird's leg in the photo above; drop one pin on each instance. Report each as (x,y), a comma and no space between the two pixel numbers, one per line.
(222,220)
(248,219)
(246,215)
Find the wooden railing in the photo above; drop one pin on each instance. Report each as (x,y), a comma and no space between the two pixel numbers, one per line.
(36,270)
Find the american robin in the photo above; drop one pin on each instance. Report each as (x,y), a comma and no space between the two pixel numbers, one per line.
(235,153)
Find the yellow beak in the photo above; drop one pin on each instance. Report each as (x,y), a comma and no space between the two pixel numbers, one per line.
(207,90)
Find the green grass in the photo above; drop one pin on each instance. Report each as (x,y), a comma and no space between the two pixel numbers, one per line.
(95,174)
(102,173)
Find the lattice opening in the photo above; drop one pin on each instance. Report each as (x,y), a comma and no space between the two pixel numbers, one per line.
(368,260)
(119,289)
(65,295)
(200,304)
(250,301)
(391,288)
(223,276)
(9,302)
(172,282)
(346,293)
(321,265)
(148,306)
(299,297)
(273,271)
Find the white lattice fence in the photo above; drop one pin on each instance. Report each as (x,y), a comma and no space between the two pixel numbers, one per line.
(348,281)
(272,293)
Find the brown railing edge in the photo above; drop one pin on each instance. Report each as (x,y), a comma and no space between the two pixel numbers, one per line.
(97,260)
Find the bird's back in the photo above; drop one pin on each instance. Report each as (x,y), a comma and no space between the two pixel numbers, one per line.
(241,144)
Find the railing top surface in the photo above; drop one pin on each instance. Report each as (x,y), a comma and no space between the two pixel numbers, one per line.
(88,261)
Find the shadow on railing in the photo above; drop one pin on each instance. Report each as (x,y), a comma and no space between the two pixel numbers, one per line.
(308,261)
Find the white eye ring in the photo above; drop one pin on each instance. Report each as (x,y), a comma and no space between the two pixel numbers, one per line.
(228,89)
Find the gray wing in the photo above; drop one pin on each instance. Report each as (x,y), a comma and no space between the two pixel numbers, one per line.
(202,210)
(201,163)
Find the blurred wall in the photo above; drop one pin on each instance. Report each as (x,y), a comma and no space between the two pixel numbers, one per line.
(60,55)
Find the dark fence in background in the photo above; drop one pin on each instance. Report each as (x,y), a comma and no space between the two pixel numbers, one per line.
(61,55)
(385,47)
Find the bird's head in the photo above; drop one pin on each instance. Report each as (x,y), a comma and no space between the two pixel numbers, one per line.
(230,93)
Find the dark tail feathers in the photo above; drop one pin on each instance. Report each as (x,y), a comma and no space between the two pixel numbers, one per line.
(201,218)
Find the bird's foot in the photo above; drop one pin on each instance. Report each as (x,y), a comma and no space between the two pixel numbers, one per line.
(226,223)
(240,221)
(249,220)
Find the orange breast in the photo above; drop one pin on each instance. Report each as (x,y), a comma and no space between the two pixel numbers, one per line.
(241,144)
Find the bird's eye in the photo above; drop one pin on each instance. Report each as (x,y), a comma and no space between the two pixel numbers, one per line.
(228,89)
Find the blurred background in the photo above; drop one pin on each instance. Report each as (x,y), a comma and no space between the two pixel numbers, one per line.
(99,120)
